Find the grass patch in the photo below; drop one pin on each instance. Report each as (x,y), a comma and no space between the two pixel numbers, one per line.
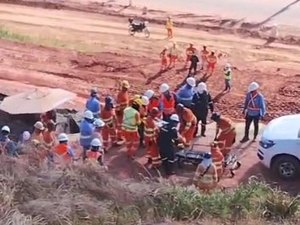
(12,36)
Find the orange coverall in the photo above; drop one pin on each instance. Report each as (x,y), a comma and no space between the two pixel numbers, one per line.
(109,130)
(164,59)
(122,102)
(227,135)
(212,61)
(62,151)
(151,133)
(188,125)
(218,159)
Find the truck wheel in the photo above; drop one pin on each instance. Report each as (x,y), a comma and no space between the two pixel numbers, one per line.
(286,167)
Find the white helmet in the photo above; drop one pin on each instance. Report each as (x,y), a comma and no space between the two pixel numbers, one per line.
(63,137)
(5,128)
(191,81)
(145,100)
(253,86)
(99,123)
(96,142)
(227,65)
(164,87)
(201,87)
(149,93)
(88,115)
(39,125)
(174,117)
(26,135)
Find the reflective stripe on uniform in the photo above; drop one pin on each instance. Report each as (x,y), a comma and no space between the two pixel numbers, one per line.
(85,136)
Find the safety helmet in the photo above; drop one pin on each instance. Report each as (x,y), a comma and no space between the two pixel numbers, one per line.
(154,111)
(39,125)
(191,81)
(149,93)
(253,86)
(164,87)
(63,137)
(96,142)
(125,84)
(215,116)
(5,128)
(26,136)
(227,65)
(145,100)
(108,100)
(174,117)
(201,87)
(88,115)
(99,123)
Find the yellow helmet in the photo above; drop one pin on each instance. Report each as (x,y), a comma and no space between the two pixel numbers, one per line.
(125,84)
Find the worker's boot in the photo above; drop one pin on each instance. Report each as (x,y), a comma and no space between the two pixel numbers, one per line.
(203,129)
(245,139)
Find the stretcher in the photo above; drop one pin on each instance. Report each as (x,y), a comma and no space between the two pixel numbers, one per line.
(190,156)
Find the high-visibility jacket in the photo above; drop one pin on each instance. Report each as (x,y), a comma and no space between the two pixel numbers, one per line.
(49,139)
(131,119)
(93,155)
(168,104)
(212,59)
(226,125)
(86,132)
(228,74)
(122,100)
(190,51)
(93,104)
(108,116)
(154,102)
(218,159)
(150,129)
(188,119)
(64,151)
(255,104)
(169,24)
(204,55)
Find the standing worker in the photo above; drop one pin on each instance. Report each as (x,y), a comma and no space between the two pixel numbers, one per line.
(218,158)
(86,131)
(254,110)
(95,154)
(131,121)
(121,103)
(154,102)
(168,100)
(7,146)
(98,128)
(212,62)
(189,52)
(201,103)
(228,133)
(109,117)
(206,176)
(168,137)
(151,134)
(188,123)
(204,54)
(228,77)
(185,93)
(93,103)
(173,55)
(63,152)
(169,27)
(37,135)
(164,59)
(194,62)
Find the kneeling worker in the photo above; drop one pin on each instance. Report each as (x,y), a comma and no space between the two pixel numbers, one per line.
(96,154)
(218,158)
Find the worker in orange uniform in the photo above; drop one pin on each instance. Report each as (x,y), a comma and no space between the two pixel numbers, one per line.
(189,52)
(164,59)
(63,152)
(154,102)
(131,121)
(168,101)
(151,134)
(206,177)
(228,133)
(49,135)
(169,27)
(204,54)
(188,122)
(109,118)
(211,63)
(173,55)
(121,103)
(95,156)
(217,157)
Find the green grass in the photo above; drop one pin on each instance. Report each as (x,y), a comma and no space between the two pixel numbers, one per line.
(12,36)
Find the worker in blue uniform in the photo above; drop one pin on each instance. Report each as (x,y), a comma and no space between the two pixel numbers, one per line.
(93,104)
(186,92)
(86,131)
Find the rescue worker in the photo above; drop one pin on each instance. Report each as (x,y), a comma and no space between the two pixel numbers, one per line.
(206,177)
(24,142)
(86,131)
(98,128)
(254,110)
(228,77)
(168,100)
(154,102)
(93,103)
(122,102)
(201,103)
(131,121)
(63,152)
(48,116)
(194,63)
(7,146)
(108,115)
(169,27)
(168,137)
(49,135)
(189,52)
(212,62)
(204,54)
(188,123)
(173,55)
(218,158)
(185,93)
(228,132)
(37,136)
(95,155)
(164,59)
(151,134)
